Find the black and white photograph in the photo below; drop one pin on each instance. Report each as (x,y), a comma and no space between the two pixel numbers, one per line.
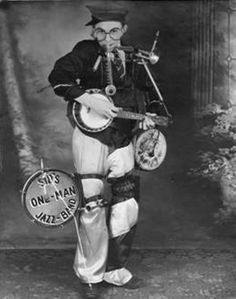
(117,149)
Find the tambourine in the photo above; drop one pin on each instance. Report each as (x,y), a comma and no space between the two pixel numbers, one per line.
(51,197)
(150,149)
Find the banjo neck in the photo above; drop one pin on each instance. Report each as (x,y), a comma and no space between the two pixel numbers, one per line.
(159,120)
(88,120)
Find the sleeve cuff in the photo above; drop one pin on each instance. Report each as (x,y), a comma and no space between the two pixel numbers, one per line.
(73,92)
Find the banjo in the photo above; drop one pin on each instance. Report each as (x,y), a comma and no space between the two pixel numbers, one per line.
(88,120)
(150,145)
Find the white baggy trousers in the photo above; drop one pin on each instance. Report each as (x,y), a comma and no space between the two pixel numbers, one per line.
(93,157)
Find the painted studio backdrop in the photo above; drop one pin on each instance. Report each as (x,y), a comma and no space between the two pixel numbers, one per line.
(190,199)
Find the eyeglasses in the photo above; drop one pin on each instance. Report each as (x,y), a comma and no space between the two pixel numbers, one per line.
(100,34)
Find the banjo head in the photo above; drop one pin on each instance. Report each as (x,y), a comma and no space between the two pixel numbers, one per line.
(87,119)
(51,197)
(150,149)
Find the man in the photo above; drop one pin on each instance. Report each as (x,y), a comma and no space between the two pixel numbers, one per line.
(106,236)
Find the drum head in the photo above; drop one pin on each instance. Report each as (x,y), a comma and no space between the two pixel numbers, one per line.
(89,120)
(51,197)
(150,149)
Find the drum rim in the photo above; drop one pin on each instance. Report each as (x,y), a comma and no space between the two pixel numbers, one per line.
(29,181)
(81,125)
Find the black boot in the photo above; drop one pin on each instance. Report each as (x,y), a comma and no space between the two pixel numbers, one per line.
(134,283)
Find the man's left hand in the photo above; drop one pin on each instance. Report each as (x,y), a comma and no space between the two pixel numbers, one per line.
(147,122)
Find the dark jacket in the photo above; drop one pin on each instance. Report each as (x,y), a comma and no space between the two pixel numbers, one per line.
(73,74)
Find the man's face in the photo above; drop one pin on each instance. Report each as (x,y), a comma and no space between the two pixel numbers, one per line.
(109,33)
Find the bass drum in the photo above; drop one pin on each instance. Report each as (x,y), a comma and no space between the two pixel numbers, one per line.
(51,197)
(150,149)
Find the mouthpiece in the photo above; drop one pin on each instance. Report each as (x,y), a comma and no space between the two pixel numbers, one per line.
(128,49)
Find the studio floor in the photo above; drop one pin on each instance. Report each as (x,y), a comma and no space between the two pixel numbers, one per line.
(167,274)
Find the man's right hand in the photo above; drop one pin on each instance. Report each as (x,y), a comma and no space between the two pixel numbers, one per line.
(99,105)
